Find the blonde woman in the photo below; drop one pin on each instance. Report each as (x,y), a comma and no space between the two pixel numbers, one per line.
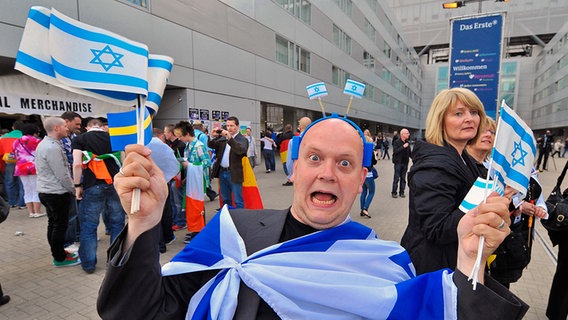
(441,175)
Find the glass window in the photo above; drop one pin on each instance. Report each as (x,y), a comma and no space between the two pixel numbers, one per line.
(341,39)
(303,60)
(386,75)
(387,50)
(509,68)
(370,30)
(368,60)
(142,3)
(292,55)
(301,9)
(282,54)
(346,6)
(372,4)
(339,76)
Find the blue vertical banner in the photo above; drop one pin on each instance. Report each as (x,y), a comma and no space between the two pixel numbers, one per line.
(475,57)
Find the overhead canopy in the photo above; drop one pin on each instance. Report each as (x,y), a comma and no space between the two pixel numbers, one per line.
(21,94)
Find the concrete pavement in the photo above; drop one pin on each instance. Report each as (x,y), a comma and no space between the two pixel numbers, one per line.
(41,291)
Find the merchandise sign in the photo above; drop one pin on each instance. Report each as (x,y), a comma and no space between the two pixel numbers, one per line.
(475,57)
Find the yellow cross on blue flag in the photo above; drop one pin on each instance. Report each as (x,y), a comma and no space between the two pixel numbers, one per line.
(514,151)
(122,128)
(316,90)
(354,88)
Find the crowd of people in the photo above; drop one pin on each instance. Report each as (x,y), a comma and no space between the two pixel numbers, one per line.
(232,267)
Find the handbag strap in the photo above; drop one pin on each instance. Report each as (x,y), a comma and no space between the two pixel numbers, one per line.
(561,177)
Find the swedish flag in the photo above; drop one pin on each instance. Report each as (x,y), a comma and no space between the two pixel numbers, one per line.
(122,129)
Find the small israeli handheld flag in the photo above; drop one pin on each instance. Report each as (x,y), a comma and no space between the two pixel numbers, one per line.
(316,90)
(354,88)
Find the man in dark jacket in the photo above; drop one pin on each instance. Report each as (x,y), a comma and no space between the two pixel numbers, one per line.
(287,280)
(230,147)
(400,156)
(544,148)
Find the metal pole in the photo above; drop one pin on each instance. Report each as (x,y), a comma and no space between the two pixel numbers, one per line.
(479,8)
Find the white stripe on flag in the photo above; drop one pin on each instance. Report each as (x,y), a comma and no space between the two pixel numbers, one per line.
(159,69)
(476,194)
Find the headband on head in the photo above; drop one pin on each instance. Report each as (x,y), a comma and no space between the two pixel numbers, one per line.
(367,146)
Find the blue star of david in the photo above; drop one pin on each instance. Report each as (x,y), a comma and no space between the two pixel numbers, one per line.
(107,51)
(316,89)
(354,87)
(522,154)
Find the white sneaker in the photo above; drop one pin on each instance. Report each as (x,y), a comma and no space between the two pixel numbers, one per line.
(73,249)
(37,215)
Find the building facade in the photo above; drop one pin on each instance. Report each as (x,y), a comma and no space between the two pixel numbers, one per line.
(533,66)
(253,59)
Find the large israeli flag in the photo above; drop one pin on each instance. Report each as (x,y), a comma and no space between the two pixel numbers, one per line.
(354,88)
(159,69)
(92,58)
(309,277)
(84,59)
(316,90)
(514,151)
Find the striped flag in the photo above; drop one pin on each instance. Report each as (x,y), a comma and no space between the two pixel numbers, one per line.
(324,267)
(477,194)
(354,88)
(34,59)
(159,69)
(316,90)
(251,194)
(194,198)
(88,57)
(122,128)
(514,151)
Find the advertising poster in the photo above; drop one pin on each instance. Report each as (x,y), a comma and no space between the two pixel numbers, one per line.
(204,114)
(475,57)
(224,115)
(193,114)
(216,115)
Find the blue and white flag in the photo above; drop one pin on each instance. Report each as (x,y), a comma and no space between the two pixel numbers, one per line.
(82,59)
(323,267)
(354,88)
(316,90)
(478,193)
(514,151)
(159,69)
(88,57)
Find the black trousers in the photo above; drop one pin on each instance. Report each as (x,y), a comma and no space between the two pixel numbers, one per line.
(542,154)
(557,308)
(57,208)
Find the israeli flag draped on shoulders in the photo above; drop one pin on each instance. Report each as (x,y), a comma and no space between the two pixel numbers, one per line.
(339,273)
(514,150)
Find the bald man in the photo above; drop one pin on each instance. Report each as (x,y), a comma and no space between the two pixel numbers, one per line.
(306,262)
